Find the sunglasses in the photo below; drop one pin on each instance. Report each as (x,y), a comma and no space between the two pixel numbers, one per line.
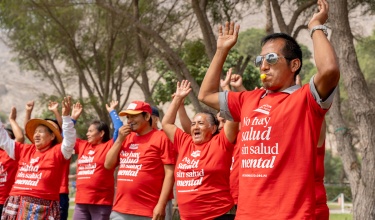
(271,58)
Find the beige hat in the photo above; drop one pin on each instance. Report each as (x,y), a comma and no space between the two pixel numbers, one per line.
(32,124)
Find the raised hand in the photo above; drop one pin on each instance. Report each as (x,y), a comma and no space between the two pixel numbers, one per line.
(182,89)
(29,106)
(224,83)
(13,114)
(321,16)
(236,81)
(76,111)
(111,106)
(66,106)
(52,106)
(227,36)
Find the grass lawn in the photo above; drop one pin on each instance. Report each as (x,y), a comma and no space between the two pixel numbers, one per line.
(332,206)
(340,217)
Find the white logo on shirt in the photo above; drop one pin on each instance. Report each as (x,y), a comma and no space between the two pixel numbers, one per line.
(91,152)
(265,109)
(133,146)
(196,153)
(34,160)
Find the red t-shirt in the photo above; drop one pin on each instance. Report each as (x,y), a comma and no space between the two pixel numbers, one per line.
(202,176)
(64,187)
(321,211)
(141,172)
(8,169)
(234,172)
(38,173)
(278,140)
(95,184)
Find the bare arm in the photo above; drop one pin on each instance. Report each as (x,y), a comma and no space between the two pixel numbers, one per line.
(231,130)
(29,109)
(184,118)
(208,93)
(169,119)
(113,154)
(53,107)
(159,210)
(326,62)
(17,131)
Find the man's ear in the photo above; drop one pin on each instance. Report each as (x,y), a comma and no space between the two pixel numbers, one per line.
(147,116)
(295,64)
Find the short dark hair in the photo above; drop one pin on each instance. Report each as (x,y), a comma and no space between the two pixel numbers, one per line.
(150,120)
(55,141)
(291,49)
(10,133)
(212,120)
(102,126)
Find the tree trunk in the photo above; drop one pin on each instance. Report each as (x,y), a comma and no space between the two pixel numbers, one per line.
(199,8)
(269,24)
(363,107)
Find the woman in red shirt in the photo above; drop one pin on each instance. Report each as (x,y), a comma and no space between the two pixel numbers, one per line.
(35,192)
(203,163)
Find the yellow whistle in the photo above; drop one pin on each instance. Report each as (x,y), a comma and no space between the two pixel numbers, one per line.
(262,76)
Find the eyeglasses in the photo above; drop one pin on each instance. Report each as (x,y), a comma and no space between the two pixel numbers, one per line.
(271,58)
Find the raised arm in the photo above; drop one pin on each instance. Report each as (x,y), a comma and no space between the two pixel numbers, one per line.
(17,131)
(117,123)
(76,111)
(54,108)
(112,156)
(326,62)
(184,118)
(169,119)
(208,93)
(29,109)
(69,132)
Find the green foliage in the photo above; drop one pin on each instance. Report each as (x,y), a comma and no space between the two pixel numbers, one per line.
(334,190)
(248,43)
(250,75)
(308,68)
(333,168)
(365,50)
(3,117)
(194,56)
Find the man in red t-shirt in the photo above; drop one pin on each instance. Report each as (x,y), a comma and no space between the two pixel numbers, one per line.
(146,163)
(280,125)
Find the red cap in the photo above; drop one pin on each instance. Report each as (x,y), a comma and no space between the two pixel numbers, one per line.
(135,108)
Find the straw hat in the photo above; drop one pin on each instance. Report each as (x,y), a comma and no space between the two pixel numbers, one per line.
(32,124)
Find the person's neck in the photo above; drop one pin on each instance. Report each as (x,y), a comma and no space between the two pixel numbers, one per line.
(282,88)
(144,131)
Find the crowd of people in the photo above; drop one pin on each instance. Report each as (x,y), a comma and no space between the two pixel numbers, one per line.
(260,157)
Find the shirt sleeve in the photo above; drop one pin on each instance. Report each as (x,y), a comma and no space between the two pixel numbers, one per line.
(326,104)
(69,139)
(117,123)
(6,143)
